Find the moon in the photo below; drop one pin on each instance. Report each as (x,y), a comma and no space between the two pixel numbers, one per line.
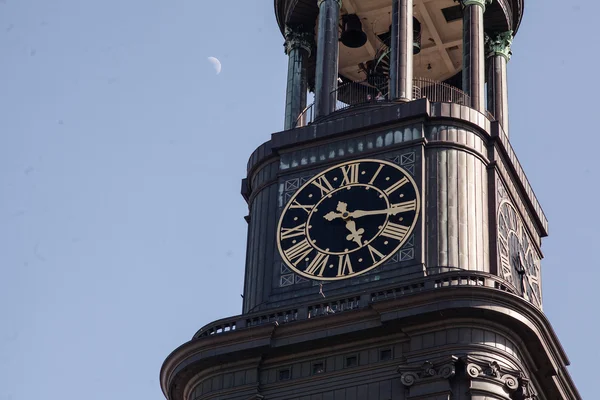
(216,64)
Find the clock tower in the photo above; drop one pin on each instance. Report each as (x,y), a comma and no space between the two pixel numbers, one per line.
(394,241)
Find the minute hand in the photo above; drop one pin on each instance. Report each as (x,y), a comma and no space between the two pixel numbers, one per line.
(388,211)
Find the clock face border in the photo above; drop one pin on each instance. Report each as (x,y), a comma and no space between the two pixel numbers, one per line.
(417,214)
(514,244)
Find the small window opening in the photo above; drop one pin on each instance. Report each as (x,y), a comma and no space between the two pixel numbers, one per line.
(351,361)
(385,355)
(284,374)
(318,368)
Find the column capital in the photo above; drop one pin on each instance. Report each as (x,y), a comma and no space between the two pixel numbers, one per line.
(295,38)
(482,3)
(487,369)
(319,2)
(499,45)
(440,369)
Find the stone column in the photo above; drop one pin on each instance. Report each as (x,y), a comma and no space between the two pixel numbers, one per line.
(401,57)
(298,47)
(473,52)
(498,54)
(326,72)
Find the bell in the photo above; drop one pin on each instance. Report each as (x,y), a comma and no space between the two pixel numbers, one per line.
(352,33)
(416,36)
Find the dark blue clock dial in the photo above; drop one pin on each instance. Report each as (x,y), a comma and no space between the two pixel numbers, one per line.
(348,219)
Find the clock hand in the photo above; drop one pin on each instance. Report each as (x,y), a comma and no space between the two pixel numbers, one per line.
(343,212)
(355,235)
(361,213)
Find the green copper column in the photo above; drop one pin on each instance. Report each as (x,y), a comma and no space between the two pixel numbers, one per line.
(327,56)
(297,47)
(473,52)
(498,54)
(401,61)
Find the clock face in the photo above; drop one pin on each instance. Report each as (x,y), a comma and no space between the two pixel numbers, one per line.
(348,219)
(519,261)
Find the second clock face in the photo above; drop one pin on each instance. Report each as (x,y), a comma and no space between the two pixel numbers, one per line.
(348,219)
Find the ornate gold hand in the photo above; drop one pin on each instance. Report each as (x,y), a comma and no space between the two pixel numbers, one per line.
(361,213)
(343,212)
(355,235)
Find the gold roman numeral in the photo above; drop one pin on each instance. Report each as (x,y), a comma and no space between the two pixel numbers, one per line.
(503,242)
(298,252)
(395,231)
(323,184)
(396,186)
(344,266)
(308,208)
(318,263)
(376,173)
(405,206)
(287,233)
(374,253)
(505,262)
(350,173)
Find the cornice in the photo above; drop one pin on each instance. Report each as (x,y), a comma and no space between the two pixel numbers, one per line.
(468,301)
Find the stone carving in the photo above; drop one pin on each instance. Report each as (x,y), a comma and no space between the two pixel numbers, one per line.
(295,38)
(411,374)
(514,381)
(527,391)
(483,368)
(499,45)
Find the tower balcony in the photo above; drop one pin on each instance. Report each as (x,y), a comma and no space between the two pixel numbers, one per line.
(365,94)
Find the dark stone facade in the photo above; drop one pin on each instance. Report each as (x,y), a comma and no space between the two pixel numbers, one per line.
(455,313)
(440,323)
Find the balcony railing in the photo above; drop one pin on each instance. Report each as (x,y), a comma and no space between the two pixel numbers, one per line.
(353,94)
(344,304)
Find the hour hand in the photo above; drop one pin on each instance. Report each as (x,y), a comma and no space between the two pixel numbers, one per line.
(341,207)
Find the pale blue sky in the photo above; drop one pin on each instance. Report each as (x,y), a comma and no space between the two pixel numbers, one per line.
(121,154)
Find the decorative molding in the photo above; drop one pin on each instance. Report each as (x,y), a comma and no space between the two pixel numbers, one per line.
(294,39)
(514,381)
(482,3)
(489,369)
(441,369)
(499,45)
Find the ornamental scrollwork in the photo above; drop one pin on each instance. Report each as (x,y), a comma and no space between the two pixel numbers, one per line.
(482,368)
(295,38)
(409,375)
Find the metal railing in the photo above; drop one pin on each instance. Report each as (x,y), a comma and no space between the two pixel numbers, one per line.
(440,92)
(353,94)
(336,306)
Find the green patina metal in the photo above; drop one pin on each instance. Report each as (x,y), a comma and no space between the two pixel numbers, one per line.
(295,38)
(499,45)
